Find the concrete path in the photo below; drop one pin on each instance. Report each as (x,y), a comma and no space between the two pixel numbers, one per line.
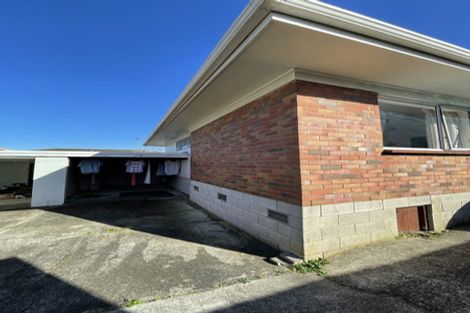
(406,275)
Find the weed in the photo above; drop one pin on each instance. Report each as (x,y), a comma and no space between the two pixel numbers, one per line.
(132,302)
(422,234)
(112,230)
(315,266)
(243,280)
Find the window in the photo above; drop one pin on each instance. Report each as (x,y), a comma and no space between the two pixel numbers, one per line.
(456,128)
(183,144)
(425,127)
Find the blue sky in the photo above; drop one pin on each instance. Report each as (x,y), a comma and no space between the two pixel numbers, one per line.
(87,73)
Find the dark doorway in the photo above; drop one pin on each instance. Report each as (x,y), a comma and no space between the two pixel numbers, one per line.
(413,219)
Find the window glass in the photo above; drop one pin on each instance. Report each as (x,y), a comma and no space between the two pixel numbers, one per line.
(409,126)
(456,128)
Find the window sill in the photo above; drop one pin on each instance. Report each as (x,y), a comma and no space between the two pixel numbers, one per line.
(411,151)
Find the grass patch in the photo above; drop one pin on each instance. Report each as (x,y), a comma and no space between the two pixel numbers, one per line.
(315,266)
(243,280)
(112,230)
(422,235)
(132,302)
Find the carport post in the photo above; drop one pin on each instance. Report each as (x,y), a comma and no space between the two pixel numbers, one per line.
(50,178)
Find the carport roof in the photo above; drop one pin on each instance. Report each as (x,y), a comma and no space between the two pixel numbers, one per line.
(72,153)
(274,38)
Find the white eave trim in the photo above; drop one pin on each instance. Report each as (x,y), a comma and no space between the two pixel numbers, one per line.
(350,21)
(341,23)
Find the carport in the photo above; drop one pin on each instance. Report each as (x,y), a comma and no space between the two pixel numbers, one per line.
(55,177)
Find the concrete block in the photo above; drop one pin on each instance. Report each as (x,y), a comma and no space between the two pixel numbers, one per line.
(452,206)
(297,247)
(267,203)
(290,258)
(311,211)
(292,233)
(395,203)
(289,209)
(327,245)
(354,218)
(312,235)
(337,231)
(377,216)
(325,221)
(267,222)
(365,228)
(296,222)
(423,200)
(365,206)
(280,239)
(337,209)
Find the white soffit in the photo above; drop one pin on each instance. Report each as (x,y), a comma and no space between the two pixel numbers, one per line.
(282,42)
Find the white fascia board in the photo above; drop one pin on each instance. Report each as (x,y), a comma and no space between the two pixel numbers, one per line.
(356,26)
(321,12)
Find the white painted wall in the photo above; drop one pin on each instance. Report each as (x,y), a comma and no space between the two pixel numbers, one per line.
(13,172)
(49,185)
(185,170)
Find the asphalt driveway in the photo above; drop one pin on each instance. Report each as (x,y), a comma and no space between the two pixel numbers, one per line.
(103,255)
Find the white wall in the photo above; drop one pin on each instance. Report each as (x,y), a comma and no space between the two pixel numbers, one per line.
(49,185)
(13,172)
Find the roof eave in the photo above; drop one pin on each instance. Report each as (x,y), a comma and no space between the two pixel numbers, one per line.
(318,12)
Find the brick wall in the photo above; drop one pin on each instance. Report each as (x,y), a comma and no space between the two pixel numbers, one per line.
(341,159)
(253,149)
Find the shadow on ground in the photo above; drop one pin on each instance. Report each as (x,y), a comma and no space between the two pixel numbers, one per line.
(173,218)
(25,288)
(433,282)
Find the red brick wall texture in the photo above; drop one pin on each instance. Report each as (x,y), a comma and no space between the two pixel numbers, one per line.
(313,144)
(253,149)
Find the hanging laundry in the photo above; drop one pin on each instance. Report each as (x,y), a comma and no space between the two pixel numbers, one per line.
(161,169)
(135,167)
(148,178)
(133,179)
(90,166)
(172,167)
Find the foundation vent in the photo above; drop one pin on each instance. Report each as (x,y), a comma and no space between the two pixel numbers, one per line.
(278,217)
(222,197)
(196,188)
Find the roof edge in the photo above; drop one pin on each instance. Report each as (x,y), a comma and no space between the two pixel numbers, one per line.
(314,11)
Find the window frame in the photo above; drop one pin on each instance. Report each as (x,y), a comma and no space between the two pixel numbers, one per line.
(446,127)
(443,131)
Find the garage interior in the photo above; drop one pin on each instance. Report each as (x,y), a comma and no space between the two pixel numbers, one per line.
(114,180)
(16,182)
